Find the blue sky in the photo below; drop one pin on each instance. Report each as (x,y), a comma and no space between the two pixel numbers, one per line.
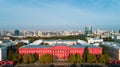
(59,14)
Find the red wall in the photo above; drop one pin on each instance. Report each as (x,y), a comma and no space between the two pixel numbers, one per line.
(95,50)
(60,52)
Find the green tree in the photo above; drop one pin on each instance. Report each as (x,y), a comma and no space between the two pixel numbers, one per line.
(81,37)
(101,59)
(104,49)
(42,59)
(26,58)
(31,58)
(89,58)
(106,58)
(92,58)
(108,39)
(17,58)
(105,55)
(19,45)
(78,58)
(86,53)
(36,57)
(32,39)
(10,55)
(72,58)
(49,58)
(20,58)
(95,59)
(44,43)
(46,58)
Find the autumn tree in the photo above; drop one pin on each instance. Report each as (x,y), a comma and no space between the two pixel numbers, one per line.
(36,57)
(26,58)
(46,58)
(10,55)
(72,58)
(104,49)
(101,59)
(86,54)
(31,58)
(106,58)
(17,58)
(78,58)
(19,45)
(43,43)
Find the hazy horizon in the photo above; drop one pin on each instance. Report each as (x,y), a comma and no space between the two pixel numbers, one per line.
(59,14)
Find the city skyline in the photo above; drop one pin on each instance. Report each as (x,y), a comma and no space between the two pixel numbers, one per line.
(59,14)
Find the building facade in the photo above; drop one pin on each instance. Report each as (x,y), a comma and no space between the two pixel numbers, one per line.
(113,50)
(17,33)
(95,41)
(60,51)
(3,53)
(88,30)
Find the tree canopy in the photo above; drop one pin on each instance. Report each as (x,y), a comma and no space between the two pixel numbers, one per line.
(46,58)
(72,58)
(17,58)
(28,58)
(78,58)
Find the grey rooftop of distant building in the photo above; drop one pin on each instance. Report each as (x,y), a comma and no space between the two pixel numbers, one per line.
(59,40)
(48,46)
(79,44)
(1,46)
(112,44)
(36,46)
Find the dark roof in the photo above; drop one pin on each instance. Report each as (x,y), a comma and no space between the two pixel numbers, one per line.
(48,46)
(83,46)
(1,46)
(36,46)
(60,44)
(78,46)
(91,46)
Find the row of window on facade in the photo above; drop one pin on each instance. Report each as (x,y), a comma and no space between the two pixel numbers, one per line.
(49,51)
(61,54)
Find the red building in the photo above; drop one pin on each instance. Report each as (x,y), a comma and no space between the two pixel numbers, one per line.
(6,62)
(59,51)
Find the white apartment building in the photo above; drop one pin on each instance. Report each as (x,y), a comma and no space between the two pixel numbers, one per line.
(3,53)
(25,41)
(37,42)
(113,50)
(1,42)
(94,41)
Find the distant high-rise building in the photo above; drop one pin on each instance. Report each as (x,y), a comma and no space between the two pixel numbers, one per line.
(115,38)
(88,30)
(119,31)
(16,33)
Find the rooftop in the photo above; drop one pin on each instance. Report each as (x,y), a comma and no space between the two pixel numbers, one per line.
(60,40)
(48,46)
(78,46)
(2,47)
(36,46)
(60,44)
(112,44)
